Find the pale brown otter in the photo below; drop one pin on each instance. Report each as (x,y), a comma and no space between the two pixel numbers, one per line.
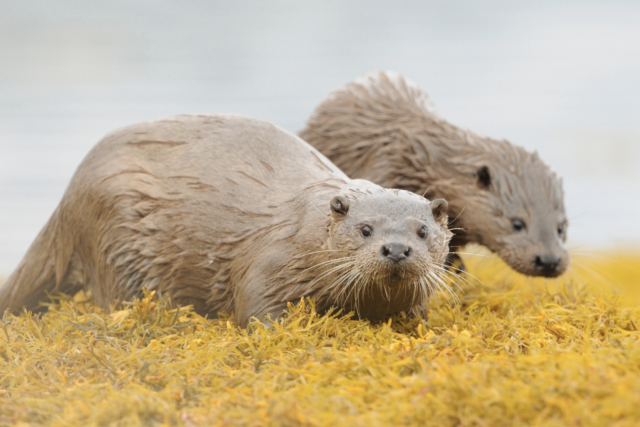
(383,128)
(232,214)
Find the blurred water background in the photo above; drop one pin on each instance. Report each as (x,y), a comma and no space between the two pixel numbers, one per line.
(557,77)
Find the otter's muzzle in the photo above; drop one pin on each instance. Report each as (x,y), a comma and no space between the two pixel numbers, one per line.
(547,265)
(395,252)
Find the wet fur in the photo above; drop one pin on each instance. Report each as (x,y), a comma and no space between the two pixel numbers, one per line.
(383,128)
(223,212)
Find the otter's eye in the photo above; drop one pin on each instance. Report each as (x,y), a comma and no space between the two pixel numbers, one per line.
(560,229)
(366,231)
(423,232)
(518,225)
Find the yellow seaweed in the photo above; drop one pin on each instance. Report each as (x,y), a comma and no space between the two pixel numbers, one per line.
(512,352)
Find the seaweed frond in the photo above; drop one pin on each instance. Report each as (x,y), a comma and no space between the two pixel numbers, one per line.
(511,352)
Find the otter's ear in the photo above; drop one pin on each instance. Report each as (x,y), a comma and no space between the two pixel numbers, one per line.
(439,209)
(484,177)
(339,206)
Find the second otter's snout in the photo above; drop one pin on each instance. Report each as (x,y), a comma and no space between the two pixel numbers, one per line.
(395,252)
(548,265)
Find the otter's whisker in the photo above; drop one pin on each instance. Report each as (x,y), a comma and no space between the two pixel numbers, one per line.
(425,284)
(320,252)
(461,277)
(331,261)
(454,277)
(455,219)
(351,289)
(442,286)
(335,269)
(343,278)
(476,254)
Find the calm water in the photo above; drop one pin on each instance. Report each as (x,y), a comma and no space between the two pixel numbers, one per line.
(559,78)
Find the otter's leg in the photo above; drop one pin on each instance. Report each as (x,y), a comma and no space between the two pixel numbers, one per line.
(48,266)
(454,263)
(254,298)
(267,315)
(420,312)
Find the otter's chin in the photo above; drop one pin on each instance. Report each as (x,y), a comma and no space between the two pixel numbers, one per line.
(548,274)
(391,274)
(533,270)
(384,296)
(549,264)
(398,279)
(394,278)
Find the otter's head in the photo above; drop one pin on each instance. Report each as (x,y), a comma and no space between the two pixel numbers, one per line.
(383,127)
(518,212)
(390,248)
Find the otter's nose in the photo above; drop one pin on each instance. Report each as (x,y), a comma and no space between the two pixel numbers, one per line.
(395,252)
(547,265)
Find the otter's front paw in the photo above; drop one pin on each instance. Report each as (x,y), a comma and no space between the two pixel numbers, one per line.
(454,263)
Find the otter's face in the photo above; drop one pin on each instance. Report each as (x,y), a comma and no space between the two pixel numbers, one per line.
(394,244)
(530,227)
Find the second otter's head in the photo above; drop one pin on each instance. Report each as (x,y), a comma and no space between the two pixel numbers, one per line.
(516,209)
(390,248)
(383,127)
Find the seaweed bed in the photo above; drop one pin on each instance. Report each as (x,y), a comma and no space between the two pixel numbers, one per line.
(511,351)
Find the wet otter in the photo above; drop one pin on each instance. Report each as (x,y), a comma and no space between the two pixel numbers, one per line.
(232,214)
(383,128)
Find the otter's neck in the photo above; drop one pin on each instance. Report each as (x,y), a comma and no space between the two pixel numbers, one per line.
(444,164)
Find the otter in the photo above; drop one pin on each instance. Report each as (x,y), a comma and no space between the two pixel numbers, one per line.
(232,214)
(382,127)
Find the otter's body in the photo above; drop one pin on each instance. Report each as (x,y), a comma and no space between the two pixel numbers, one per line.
(383,128)
(229,214)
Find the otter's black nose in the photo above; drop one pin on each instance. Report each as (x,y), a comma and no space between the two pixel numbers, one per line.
(547,265)
(395,252)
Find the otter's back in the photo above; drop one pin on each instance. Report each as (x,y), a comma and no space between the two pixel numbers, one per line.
(154,200)
(225,152)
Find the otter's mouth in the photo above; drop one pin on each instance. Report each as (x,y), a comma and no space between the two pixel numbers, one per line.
(398,277)
(394,275)
(547,274)
(541,266)
(394,278)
